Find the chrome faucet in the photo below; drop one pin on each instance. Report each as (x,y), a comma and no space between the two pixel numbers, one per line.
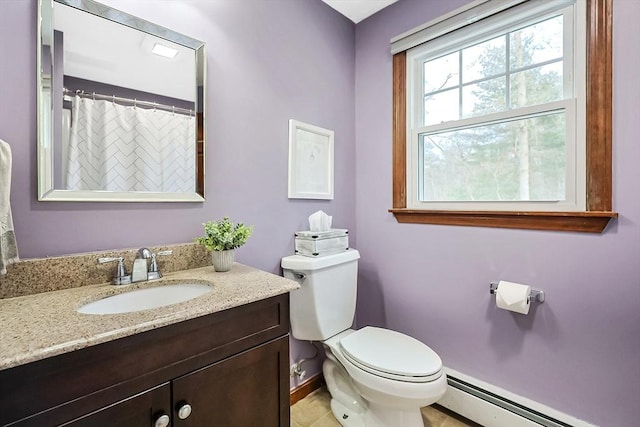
(121,277)
(141,271)
(154,270)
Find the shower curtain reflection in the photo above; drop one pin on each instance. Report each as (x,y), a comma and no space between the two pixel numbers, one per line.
(113,147)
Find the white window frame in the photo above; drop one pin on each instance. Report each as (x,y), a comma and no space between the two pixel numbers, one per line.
(574,53)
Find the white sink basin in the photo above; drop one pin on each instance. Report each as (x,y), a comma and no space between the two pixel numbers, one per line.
(145,299)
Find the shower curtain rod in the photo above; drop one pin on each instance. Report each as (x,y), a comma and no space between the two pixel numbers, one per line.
(135,102)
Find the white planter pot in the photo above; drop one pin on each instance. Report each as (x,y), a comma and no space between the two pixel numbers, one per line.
(222,260)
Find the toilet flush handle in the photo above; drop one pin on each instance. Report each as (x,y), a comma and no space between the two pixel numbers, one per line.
(300,277)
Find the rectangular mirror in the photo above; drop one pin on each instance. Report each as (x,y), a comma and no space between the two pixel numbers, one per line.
(120,107)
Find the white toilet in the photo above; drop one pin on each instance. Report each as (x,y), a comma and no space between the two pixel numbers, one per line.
(376,377)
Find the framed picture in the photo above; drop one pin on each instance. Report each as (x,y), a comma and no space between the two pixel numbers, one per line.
(310,161)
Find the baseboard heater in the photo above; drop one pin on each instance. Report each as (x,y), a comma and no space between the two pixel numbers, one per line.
(491,406)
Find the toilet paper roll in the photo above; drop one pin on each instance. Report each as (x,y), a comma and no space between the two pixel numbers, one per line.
(513,297)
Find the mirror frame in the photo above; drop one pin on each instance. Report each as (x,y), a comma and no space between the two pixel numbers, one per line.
(45,127)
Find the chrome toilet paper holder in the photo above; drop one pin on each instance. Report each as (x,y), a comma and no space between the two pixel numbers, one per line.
(535,295)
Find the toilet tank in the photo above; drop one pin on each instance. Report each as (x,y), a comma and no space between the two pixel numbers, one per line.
(325,304)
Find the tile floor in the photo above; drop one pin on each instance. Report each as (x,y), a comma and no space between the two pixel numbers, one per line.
(315,411)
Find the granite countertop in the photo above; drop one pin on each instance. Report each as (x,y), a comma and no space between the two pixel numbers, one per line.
(38,326)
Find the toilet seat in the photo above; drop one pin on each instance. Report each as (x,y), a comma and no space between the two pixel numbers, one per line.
(391,355)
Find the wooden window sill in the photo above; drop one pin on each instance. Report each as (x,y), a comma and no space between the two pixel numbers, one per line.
(591,222)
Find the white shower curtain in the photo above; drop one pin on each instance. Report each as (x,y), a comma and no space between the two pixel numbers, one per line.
(121,148)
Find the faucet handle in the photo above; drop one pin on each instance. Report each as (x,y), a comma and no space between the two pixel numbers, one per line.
(154,263)
(153,267)
(109,259)
(154,270)
(121,277)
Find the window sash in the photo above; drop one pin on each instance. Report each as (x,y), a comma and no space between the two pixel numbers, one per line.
(501,24)
(571,202)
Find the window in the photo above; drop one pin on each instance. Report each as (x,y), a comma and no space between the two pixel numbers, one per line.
(494,114)
(501,121)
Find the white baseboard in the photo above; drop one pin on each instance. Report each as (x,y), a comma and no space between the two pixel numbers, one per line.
(489,414)
(481,411)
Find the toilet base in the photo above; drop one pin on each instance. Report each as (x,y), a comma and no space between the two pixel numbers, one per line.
(346,404)
(382,416)
(345,416)
(351,410)
(376,416)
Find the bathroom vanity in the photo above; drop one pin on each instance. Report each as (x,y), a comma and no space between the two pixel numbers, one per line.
(220,359)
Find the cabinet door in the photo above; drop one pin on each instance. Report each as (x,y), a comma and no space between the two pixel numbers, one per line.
(141,410)
(247,390)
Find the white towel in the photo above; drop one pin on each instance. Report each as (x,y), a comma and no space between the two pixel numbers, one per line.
(8,246)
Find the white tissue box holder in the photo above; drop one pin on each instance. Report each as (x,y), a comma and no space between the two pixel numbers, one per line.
(321,243)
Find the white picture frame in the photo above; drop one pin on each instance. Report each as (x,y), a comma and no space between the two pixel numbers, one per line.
(310,161)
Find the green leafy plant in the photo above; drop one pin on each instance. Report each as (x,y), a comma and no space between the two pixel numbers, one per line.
(222,235)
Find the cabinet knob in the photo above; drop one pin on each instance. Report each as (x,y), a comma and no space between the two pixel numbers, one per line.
(184,410)
(162,421)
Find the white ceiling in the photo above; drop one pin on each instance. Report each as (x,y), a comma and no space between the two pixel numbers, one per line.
(357,10)
(104,51)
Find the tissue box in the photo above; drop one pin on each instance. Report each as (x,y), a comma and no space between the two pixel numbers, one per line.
(321,243)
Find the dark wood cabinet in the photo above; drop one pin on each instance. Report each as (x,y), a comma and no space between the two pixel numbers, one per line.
(140,410)
(230,367)
(239,391)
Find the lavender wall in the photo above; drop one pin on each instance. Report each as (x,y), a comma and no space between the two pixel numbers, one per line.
(271,61)
(579,352)
(268,62)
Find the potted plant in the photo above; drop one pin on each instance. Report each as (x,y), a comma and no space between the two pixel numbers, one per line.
(222,237)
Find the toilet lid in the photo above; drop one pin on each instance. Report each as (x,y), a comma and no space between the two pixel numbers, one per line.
(392,355)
